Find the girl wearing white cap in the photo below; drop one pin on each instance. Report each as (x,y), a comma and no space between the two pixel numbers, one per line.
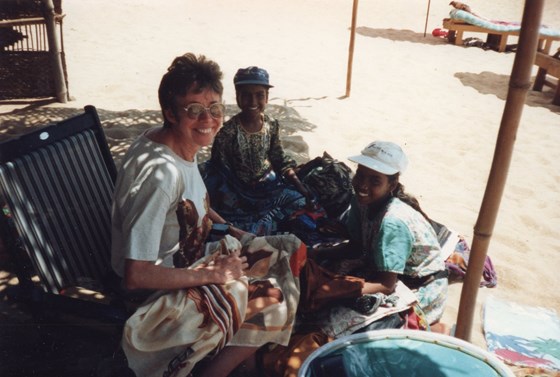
(395,237)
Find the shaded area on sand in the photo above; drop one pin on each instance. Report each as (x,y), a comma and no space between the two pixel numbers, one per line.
(497,85)
(43,344)
(400,35)
(46,344)
(56,349)
(122,127)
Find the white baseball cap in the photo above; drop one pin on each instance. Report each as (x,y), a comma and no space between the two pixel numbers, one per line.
(382,156)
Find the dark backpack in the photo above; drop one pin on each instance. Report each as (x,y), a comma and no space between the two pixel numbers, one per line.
(330,181)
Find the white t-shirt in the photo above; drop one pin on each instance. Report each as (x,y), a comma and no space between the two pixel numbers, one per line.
(152,182)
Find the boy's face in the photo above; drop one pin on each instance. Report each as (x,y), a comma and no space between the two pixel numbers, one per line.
(252,99)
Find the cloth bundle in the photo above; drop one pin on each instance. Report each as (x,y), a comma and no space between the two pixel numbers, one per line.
(173,330)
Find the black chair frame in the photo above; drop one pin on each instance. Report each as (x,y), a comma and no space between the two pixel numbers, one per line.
(56,183)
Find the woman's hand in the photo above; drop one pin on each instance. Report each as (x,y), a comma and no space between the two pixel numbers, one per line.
(228,267)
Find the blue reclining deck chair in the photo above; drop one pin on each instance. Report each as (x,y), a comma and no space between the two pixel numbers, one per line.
(57,183)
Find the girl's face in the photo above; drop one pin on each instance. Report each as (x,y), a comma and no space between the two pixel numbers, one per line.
(197,125)
(371,187)
(252,99)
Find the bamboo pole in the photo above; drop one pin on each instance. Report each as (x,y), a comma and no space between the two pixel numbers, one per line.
(519,84)
(351,48)
(55,53)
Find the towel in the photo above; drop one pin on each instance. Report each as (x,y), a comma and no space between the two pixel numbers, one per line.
(521,335)
(502,26)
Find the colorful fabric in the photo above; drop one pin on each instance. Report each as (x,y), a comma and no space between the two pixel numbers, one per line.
(522,335)
(274,290)
(174,330)
(340,321)
(262,209)
(456,251)
(432,298)
(170,334)
(458,261)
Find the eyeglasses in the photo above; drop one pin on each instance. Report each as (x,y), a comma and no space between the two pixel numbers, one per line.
(194,110)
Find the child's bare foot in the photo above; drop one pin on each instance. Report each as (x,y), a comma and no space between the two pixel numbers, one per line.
(441,328)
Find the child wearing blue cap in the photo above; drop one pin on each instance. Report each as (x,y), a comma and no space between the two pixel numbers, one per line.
(258,187)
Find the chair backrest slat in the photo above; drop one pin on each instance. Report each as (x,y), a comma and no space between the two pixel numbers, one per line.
(59,193)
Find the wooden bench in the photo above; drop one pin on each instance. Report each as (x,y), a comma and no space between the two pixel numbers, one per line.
(496,39)
(548,65)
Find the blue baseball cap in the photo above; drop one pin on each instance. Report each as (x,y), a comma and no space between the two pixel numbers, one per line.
(251,75)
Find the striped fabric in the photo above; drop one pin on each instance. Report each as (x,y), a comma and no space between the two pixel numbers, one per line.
(222,308)
(60,196)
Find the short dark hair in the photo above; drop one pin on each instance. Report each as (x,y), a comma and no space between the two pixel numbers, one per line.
(188,72)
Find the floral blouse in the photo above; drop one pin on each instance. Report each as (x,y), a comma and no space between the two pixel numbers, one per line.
(251,156)
(398,240)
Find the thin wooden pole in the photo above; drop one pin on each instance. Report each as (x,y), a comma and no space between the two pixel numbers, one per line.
(55,52)
(427,14)
(351,48)
(519,84)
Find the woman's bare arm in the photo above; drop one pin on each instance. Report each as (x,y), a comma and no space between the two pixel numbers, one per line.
(147,275)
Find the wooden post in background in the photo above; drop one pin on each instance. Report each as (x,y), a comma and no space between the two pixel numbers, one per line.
(55,52)
(351,48)
(427,15)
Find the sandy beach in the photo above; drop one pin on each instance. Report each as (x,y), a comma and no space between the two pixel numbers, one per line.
(443,103)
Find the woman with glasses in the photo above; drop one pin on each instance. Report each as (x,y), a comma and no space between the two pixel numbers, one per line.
(160,222)
(250,179)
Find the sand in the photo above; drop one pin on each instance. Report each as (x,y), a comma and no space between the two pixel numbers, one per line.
(443,103)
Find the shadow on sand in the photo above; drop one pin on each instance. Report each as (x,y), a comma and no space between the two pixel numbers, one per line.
(122,127)
(400,35)
(40,345)
(495,84)
(484,82)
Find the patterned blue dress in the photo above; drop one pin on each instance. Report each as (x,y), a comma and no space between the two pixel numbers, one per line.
(244,177)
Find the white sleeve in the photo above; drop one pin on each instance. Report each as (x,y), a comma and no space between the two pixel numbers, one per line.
(143,224)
